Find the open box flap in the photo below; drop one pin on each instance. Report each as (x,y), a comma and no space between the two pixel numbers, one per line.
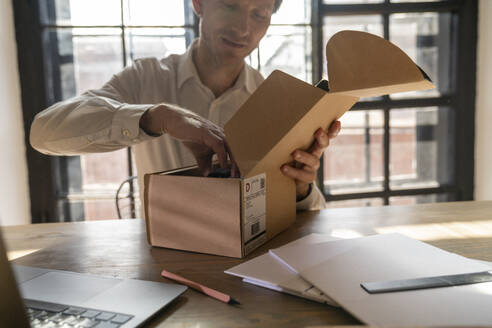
(252,133)
(366,65)
(359,65)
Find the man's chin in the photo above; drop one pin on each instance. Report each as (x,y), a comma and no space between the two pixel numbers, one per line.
(232,57)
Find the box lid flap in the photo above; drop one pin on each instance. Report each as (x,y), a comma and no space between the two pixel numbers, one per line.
(367,65)
(267,116)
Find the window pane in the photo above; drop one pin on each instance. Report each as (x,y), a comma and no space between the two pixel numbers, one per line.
(287,48)
(86,59)
(333,24)
(70,210)
(364,202)
(100,209)
(96,58)
(415,0)
(350,2)
(82,59)
(293,12)
(253,59)
(354,160)
(80,12)
(104,172)
(426,38)
(155,42)
(421,148)
(155,12)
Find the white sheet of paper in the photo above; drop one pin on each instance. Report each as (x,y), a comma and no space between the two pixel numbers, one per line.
(338,267)
(312,293)
(304,255)
(267,272)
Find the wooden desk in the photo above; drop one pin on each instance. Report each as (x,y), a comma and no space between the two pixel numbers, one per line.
(120,249)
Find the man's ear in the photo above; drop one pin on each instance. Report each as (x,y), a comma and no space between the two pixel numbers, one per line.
(197,7)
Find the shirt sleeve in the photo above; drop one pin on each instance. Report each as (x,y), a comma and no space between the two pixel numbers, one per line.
(99,120)
(315,201)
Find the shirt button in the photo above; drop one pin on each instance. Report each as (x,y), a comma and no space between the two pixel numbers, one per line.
(127,133)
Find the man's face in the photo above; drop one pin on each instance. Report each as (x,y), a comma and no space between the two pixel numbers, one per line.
(232,29)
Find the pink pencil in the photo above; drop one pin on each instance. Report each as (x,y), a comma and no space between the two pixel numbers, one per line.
(207,291)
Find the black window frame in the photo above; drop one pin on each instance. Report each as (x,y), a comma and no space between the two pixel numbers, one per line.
(461,99)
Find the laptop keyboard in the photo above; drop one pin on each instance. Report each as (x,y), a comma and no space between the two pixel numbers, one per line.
(52,315)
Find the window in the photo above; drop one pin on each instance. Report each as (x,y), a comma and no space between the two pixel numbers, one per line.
(405,148)
(85,43)
(400,149)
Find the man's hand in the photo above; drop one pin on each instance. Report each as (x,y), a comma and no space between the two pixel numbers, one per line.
(202,137)
(309,161)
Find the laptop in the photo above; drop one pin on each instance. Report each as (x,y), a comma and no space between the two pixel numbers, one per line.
(53,298)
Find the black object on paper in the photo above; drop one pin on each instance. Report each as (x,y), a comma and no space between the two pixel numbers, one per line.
(427,282)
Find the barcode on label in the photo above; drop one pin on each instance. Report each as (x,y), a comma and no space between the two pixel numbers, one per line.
(255,227)
(262,183)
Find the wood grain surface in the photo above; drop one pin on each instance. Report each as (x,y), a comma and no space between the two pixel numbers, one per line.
(118,248)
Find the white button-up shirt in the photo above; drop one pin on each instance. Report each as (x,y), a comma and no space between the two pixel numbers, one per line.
(108,118)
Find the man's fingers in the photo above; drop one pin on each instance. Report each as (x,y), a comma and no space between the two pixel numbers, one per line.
(217,144)
(234,168)
(334,129)
(310,161)
(322,138)
(320,144)
(298,174)
(221,155)
(204,165)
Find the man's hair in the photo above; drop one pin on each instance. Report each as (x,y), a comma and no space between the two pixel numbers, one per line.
(277,5)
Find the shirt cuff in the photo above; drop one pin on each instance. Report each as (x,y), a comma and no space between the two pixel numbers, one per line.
(125,127)
(315,201)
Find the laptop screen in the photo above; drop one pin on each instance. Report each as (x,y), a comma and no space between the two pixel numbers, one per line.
(12,311)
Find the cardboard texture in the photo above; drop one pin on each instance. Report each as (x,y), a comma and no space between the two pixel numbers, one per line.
(224,217)
(203,217)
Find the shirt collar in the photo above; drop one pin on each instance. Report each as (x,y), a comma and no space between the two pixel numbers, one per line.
(246,79)
(187,70)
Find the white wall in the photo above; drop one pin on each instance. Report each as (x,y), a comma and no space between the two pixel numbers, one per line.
(14,192)
(483,125)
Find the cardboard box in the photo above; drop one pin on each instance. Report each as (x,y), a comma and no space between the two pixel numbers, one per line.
(232,217)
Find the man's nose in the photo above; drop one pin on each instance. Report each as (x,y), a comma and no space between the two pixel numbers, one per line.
(241,24)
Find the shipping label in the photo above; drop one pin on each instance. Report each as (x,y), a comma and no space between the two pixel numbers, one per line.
(254,209)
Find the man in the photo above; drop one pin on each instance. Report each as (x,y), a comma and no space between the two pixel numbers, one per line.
(172,111)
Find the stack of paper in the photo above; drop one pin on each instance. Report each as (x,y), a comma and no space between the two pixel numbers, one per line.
(337,268)
(267,272)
